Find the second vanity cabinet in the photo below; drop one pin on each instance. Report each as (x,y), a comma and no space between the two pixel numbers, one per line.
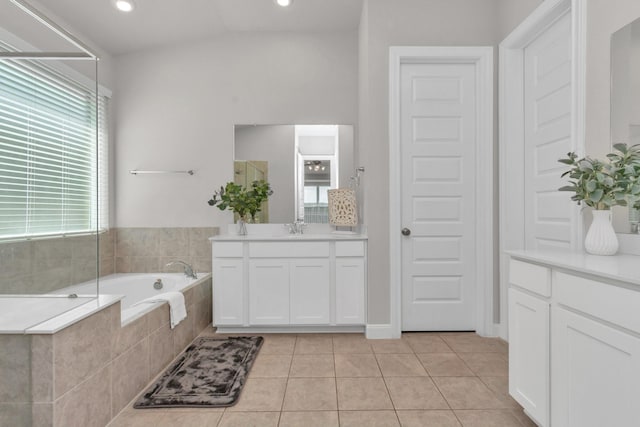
(574,339)
(289,283)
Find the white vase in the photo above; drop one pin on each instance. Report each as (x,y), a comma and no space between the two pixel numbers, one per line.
(601,238)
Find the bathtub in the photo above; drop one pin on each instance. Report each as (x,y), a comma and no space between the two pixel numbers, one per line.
(135,288)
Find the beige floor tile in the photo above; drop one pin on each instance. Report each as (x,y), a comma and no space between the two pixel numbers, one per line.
(368,419)
(486,364)
(444,365)
(426,343)
(247,419)
(467,393)
(488,418)
(312,365)
(362,394)
(438,418)
(278,344)
(169,418)
(261,394)
(271,366)
(310,394)
(309,419)
(314,345)
(500,388)
(400,365)
(351,344)
(415,393)
(390,346)
(472,343)
(356,365)
(523,418)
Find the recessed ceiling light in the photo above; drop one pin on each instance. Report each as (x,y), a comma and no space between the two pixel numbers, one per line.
(284,3)
(124,5)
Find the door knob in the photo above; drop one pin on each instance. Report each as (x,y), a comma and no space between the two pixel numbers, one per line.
(406,232)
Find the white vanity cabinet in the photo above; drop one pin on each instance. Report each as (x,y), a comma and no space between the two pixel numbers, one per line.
(574,339)
(289,283)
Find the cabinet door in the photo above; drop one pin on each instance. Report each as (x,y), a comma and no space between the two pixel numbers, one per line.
(310,291)
(595,377)
(529,354)
(228,291)
(350,293)
(269,292)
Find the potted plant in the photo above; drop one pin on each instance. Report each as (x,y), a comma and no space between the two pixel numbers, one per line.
(246,202)
(601,186)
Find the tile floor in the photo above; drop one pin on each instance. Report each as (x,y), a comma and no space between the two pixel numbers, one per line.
(331,380)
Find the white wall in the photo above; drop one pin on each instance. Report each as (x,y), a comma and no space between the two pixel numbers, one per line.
(276,145)
(176,108)
(513,12)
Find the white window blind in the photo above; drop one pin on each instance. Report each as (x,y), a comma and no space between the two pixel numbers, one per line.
(53,167)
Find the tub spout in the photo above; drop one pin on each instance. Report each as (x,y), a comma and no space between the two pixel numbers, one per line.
(188,270)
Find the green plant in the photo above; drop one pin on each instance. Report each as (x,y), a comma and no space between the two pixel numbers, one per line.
(602,185)
(241,200)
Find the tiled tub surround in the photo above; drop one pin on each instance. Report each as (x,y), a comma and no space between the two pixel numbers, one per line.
(148,250)
(42,266)
(86,374)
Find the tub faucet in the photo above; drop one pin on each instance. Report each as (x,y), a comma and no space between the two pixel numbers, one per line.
(188,270)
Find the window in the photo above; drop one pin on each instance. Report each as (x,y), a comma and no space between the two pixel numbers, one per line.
(50,181)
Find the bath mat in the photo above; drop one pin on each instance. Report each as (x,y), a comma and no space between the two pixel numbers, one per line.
(209,373)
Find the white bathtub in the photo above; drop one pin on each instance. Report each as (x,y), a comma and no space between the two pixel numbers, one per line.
(135,288)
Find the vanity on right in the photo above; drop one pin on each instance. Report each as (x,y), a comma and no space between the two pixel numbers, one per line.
(574,338)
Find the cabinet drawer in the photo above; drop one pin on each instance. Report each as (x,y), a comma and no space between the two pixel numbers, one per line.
(607,302)
(531,277)
(349,248)
(227,249)
(288,249)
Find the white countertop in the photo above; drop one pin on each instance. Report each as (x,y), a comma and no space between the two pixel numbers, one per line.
(287,237)
(621,267)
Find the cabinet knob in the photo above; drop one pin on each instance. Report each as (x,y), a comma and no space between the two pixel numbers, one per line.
(406,232)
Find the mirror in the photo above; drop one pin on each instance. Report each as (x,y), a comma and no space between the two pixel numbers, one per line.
(301,162)
(625,98)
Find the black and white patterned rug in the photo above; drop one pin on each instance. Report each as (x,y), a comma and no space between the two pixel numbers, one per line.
(210,372)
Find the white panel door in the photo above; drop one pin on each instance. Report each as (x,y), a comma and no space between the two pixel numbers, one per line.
(547,89)
(350,297)
(269,292)
(310,291)
(529,338)
(438,145)
(595,378)
(228,291)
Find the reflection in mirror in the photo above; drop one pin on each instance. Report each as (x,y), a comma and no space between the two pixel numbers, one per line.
(625,102)
(301,162)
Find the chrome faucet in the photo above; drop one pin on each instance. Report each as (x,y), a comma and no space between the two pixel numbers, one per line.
(296,227)
(188,270)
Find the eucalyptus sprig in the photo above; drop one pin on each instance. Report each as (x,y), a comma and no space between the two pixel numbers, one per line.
(604,185)
(625,168)
(242,200)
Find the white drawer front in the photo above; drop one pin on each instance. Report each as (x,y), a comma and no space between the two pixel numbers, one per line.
(227,249)
(532,277)
(288,249)
(607,302)
(349,248)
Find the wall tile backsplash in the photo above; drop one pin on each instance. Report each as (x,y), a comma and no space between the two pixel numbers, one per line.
(41,266)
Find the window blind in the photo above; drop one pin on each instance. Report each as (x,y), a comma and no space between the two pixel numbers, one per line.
(53,165)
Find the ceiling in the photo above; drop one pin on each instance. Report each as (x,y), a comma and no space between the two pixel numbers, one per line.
(156,23)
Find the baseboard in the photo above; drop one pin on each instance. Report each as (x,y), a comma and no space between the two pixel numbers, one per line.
(377,332)
(500,330)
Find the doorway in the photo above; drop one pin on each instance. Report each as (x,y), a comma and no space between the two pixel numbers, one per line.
(442,181)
